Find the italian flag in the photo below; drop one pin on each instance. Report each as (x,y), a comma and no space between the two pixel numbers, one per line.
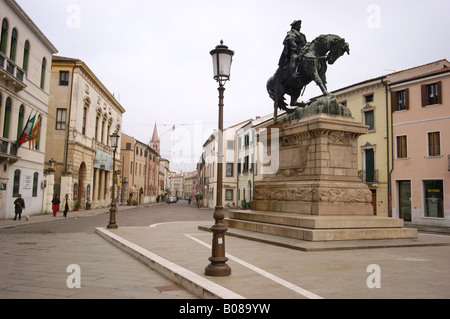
(34,136)
(27,130)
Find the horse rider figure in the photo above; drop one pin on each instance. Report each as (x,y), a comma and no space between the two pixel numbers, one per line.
(293,43)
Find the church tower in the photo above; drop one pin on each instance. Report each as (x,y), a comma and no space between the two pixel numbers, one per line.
(155,142)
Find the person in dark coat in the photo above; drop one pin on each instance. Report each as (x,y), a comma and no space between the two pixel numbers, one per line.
(19,205)
(66,205)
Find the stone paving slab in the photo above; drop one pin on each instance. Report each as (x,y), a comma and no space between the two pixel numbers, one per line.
(267,271)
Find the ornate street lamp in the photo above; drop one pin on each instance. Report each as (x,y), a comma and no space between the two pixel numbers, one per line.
(222,58)
(112,211)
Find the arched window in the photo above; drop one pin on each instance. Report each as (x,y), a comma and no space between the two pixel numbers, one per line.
(43,70)
(16,185)
(7,118)
(13,49)
(26,55)
(4,35)
(20,121)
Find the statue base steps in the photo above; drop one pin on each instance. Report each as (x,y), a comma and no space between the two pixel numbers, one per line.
(319,228)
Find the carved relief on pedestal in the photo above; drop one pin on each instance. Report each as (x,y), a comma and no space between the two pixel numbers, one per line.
(297,194)
(283,193)
(346,195)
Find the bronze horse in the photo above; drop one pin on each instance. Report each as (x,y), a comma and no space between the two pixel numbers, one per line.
(311,66)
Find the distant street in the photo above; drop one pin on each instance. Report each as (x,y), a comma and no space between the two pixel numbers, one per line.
(34,258)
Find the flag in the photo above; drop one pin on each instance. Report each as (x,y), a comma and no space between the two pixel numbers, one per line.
(34,136)
(27,130)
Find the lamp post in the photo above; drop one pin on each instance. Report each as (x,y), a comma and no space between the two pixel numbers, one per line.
(222,58)
(112,211)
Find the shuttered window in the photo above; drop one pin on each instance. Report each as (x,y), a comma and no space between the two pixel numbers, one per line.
(434,144)
(400,100)
(402,150)
(432,94)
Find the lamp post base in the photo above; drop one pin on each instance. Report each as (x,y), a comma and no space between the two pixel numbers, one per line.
(112,216)
(112,226)
(218,269)
(218,266)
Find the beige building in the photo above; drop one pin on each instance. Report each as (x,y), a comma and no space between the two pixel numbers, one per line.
(25,65)
(190,184)
(83,115)
(164,180)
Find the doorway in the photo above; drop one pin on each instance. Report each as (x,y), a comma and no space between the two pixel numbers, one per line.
(404,200)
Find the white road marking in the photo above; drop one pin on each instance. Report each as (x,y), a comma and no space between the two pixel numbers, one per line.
(287,284)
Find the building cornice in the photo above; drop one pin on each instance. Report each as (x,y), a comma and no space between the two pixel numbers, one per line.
(14,6)
(87,72)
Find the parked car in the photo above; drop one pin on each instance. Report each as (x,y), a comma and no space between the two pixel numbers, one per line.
(172,199)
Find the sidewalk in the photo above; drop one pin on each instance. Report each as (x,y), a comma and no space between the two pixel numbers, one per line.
(44,218)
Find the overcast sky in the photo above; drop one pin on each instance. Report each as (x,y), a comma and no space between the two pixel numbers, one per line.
(154,54)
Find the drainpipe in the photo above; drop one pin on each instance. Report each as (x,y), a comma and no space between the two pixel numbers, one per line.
(389,144)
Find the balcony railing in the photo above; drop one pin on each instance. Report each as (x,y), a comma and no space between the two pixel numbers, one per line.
(8,150)
(368,176)
(11,72)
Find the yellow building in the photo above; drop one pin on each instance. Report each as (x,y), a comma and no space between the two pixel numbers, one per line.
(82,116)
(369,104)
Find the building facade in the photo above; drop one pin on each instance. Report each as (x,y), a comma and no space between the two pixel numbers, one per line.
(370,104)
(140,173)
(83,115)
(164,181)
(25,66)
(190,184)
(421,126)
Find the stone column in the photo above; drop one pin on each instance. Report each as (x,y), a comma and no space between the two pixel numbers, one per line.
(50,186)
(101,183)
(95,190)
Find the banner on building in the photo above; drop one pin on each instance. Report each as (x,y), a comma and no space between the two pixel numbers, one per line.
(103,161)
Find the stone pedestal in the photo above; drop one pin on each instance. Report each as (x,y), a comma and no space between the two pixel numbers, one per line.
(315,193)
(318,169)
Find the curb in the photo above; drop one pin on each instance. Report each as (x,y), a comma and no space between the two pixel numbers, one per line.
(195,284)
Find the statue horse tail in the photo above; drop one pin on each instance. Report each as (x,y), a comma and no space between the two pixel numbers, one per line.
(271,88)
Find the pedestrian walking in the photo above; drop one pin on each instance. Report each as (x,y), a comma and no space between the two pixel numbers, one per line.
(19,205)
(66,205)
(55,202)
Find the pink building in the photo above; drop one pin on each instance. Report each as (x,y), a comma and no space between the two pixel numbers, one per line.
(421,148)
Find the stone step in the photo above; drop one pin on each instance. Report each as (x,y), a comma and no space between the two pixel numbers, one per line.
(316,222)
(309,234)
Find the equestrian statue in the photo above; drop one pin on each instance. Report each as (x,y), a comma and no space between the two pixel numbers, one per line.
(301,63)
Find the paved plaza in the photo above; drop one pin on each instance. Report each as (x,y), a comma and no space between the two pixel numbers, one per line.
(263,266)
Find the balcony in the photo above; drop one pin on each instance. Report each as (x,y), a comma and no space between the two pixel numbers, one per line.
(8,151)
(11,73)
(369,176)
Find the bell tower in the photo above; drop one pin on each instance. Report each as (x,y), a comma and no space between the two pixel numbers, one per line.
(155,143)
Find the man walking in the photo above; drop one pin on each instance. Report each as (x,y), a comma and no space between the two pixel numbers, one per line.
(19,205)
